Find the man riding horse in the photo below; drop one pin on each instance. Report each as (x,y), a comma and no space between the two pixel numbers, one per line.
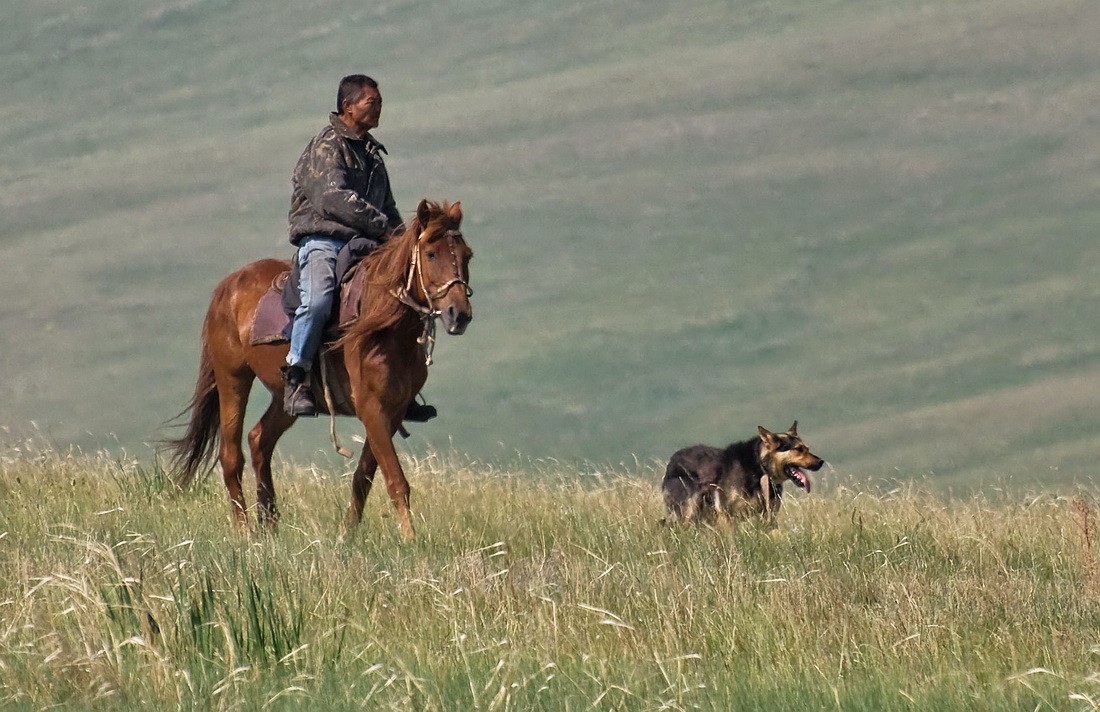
(416,278)
(341,192)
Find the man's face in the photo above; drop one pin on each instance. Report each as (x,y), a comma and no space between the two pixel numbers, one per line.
(363,115)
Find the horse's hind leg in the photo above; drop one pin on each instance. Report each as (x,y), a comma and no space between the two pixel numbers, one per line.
(261,442)
(232,397)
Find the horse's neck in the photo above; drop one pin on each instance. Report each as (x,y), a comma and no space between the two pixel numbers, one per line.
(379,298)
(389,272)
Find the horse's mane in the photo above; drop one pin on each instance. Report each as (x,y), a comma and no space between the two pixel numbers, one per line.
(385,271)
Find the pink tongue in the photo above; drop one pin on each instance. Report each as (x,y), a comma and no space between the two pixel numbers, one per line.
(803,478)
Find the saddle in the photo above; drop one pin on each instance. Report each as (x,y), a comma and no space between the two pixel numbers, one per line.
(275,311)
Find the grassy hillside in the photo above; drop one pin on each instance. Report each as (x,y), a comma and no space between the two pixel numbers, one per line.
(689,218)
(552,594)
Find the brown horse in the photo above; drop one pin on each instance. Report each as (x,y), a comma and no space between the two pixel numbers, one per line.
(412,279)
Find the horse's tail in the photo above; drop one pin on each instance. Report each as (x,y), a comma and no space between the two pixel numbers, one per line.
(194,451)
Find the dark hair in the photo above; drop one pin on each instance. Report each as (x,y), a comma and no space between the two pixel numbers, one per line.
(351,89)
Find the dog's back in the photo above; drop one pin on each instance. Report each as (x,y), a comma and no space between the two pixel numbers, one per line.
(700,477)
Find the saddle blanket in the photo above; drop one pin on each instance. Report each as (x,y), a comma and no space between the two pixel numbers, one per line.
(271,324)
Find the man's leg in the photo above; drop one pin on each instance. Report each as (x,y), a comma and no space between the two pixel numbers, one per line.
(317,283)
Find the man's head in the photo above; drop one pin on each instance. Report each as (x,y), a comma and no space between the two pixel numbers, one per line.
(358,102)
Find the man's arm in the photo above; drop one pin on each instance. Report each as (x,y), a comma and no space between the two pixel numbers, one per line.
(389,209)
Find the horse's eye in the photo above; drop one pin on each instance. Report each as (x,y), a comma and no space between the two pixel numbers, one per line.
(430,255)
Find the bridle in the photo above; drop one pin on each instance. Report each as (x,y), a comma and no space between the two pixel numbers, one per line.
(429,312)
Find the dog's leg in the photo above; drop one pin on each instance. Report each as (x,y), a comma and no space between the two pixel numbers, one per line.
(679,493)
(690,510)
(771,506)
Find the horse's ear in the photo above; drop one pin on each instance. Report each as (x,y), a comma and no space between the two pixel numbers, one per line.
(456,211)
(423,213)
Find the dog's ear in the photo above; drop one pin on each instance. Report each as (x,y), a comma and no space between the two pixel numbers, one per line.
(770,439)
(794,429)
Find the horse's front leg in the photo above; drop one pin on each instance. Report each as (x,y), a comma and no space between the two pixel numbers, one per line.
(380,429)
(361,482)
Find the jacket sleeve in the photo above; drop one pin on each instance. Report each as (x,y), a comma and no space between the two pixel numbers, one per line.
(393,215)
(322,175)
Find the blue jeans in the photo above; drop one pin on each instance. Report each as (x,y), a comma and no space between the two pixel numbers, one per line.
(317,286)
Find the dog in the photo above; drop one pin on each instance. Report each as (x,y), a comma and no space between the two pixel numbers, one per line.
(743,480)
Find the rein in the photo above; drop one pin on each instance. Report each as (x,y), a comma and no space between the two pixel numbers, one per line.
(429,313)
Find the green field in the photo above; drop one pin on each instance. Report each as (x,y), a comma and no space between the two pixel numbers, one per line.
(689,218)
(536,589)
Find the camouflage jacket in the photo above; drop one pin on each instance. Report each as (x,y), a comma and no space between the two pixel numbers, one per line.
(341,188)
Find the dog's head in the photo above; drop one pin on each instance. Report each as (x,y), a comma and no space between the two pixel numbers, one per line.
(785,457)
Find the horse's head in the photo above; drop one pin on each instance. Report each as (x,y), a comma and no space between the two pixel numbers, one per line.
(443,262)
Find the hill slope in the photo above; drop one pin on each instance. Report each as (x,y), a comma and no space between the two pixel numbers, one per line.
(688,221)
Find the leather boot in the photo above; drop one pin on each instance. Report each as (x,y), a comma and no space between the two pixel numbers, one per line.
(297,394)
(419,412)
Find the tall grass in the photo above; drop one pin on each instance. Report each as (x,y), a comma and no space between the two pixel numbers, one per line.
(533,588)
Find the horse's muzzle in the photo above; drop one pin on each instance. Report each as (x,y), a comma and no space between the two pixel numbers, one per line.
(456,319)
